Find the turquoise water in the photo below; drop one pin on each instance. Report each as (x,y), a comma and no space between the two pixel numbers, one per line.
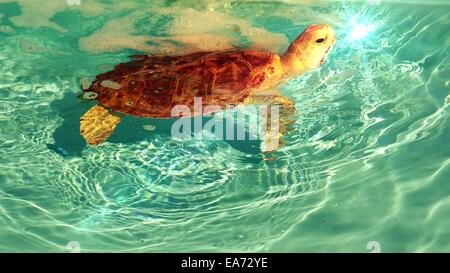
(366,167)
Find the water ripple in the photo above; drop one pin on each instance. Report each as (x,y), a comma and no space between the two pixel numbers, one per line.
(409,68)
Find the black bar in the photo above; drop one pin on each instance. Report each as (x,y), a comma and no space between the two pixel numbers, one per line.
(222,262)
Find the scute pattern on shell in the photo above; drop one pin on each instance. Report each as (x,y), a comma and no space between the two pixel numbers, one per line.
(150,86)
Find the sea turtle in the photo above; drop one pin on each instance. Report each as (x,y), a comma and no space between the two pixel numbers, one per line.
(150,86)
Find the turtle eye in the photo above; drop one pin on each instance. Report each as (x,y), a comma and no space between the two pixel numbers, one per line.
(320,40)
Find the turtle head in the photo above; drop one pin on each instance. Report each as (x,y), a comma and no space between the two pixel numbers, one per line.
(309,50)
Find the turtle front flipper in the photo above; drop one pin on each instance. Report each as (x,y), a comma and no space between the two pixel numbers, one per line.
(276,122)
(97,124)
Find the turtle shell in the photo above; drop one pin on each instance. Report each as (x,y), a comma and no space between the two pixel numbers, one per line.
(150,86)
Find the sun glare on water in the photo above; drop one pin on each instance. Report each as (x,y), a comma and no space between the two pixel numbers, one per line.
(359,31)
(359,28)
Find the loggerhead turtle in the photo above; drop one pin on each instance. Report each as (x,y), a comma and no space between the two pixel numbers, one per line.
(150,86)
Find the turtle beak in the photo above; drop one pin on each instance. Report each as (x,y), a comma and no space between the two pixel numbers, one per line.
(325,55)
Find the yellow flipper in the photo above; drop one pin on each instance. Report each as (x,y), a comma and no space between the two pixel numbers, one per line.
(97,125)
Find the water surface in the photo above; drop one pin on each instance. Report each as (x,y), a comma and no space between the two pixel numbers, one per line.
(367,159)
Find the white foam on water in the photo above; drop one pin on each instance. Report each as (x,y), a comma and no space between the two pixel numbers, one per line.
(38,13)
(200,29)
(194,30)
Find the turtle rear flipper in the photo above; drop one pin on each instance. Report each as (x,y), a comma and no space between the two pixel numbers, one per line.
(97,124)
